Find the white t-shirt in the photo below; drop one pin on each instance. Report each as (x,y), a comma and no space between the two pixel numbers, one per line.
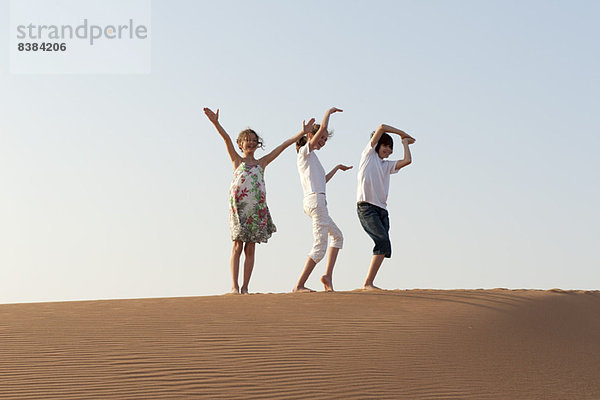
(374,178)
(312,173)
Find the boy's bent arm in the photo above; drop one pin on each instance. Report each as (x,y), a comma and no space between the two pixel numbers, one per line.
(381,129)
(407,156)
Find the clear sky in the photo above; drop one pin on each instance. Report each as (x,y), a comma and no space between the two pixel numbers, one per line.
(116,186)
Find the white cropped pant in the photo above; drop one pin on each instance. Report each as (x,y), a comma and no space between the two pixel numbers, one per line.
(315,206)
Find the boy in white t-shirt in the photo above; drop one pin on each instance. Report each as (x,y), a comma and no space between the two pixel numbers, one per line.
(372,192)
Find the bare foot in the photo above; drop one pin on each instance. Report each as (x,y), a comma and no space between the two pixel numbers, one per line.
(244,290)
(326,280)
(302,289)
(235,290)
(371,287)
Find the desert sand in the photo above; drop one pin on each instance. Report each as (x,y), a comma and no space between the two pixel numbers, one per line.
(415,344)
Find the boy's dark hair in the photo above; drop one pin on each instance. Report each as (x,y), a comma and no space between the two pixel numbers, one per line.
(304,139)
(248,133)
(386,140)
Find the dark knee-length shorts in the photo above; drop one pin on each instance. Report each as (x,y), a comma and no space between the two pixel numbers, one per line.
(376,222)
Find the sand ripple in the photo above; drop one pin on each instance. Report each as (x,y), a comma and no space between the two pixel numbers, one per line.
(421,344)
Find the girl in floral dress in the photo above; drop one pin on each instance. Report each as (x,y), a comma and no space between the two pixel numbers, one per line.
(249,218)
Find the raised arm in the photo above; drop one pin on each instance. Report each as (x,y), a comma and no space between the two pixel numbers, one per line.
(306,128)
(335,169)
(381,129)
(214,118)
(323,128)
(407,157)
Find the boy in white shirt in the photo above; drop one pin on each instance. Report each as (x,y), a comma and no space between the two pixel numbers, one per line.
(372,192)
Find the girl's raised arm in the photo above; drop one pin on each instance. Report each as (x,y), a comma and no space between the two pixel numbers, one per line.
(306,128)
(214,118)
(323,128)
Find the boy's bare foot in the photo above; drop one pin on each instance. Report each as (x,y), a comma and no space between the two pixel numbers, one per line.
(302,289)
(326,280)
(235,290)
(371,287)
(244,290)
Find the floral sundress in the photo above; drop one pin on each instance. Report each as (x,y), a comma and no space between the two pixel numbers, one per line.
(249,217)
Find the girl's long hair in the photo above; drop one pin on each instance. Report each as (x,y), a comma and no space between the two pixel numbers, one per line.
(304,139)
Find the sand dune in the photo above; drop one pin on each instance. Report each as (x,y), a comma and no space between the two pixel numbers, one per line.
(418,344)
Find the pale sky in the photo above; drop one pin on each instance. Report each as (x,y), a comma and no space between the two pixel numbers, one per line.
(116,186)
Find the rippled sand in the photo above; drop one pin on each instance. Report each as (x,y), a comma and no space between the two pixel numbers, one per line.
(418,344)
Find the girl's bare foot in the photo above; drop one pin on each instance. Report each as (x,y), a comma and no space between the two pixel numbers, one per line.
(370,286)
(235,290)
(326,280)
(302,289)
(244,290)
